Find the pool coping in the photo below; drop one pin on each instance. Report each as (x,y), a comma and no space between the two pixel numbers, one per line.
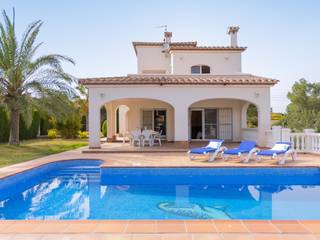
(105,165)
(160,226)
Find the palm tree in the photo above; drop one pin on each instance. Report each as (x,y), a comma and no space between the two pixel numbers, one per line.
(24,77)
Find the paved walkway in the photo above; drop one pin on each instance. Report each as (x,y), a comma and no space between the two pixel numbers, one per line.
(156,230)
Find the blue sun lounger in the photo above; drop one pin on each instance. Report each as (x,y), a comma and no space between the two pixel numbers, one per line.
(279,149)
(245,148)
(212,150)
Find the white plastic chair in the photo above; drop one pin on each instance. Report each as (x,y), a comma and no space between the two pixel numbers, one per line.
(157,137)
(135,137)
(147,137)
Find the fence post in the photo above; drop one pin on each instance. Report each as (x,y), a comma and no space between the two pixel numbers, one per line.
(308,139)
(276,134)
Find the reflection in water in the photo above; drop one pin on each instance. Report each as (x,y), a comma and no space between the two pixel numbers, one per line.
(74,194)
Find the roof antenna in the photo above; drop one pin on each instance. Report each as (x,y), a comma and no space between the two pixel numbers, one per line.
(165,27)
(166,40)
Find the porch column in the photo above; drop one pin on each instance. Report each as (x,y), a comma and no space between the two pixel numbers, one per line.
(264,124)
(181,124)
(94,121)
(111,122)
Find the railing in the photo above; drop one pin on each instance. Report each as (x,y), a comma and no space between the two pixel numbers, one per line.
(305,142)
(250,134)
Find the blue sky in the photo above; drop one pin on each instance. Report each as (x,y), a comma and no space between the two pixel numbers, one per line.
(282,37)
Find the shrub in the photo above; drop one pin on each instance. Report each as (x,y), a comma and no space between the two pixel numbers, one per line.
(52,133)
(30,132)
(47,123)
(70,127)
(83,134)
(105,128)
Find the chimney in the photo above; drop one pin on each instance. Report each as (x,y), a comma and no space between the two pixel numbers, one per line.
(167,36)
(232,31)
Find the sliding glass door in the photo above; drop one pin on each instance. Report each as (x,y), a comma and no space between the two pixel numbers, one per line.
(211,123)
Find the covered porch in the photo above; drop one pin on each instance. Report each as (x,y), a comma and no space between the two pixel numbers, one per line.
(206,119)
(182,112)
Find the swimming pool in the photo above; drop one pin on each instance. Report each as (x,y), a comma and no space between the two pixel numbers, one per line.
(80,189)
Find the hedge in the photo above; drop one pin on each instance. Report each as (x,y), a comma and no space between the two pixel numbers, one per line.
(31,131)
(25,132)
(4,125)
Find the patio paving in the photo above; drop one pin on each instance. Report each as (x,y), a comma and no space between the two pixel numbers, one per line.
(166,229)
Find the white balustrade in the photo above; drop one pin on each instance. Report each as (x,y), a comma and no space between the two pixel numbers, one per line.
(307,141)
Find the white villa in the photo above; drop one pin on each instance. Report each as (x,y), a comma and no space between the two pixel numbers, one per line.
(186,91)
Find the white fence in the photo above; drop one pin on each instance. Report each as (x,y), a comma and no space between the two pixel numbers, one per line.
(307,141)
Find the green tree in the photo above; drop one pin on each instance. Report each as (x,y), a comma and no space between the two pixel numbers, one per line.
(252,116)
(24,77)
(304,109)
(82,104)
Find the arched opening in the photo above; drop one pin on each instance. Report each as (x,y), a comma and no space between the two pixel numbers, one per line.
(139,113)
(252,116)
(220,118)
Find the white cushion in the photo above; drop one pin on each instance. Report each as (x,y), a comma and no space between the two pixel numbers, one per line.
(214,145)
(280,147)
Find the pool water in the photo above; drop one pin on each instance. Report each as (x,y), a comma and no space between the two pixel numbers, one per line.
(81,190)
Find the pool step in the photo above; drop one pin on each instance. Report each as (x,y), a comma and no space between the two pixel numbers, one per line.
(91,172)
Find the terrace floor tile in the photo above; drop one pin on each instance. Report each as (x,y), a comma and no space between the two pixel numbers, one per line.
(170,226)
(197,226)
(311,225)
(111,227)
(227,226)
(289,226)
(141,227)
(256,226)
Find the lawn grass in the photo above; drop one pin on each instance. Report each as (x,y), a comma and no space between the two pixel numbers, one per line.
(31,149)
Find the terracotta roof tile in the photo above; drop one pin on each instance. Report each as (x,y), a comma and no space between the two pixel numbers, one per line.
(192,43)
(188,46)
(181,44)
(240,79)
(215,48)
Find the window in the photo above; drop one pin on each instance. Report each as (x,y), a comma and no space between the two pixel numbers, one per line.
(200,69)
(156,120)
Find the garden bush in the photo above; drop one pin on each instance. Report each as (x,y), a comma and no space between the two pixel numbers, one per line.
(83,134)
(30,132)
(104,128)
(70,127)
(52,133)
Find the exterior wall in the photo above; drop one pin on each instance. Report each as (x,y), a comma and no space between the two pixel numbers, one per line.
(219,62)
(180,98)
(151,60)
(236,107)
(134,119)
